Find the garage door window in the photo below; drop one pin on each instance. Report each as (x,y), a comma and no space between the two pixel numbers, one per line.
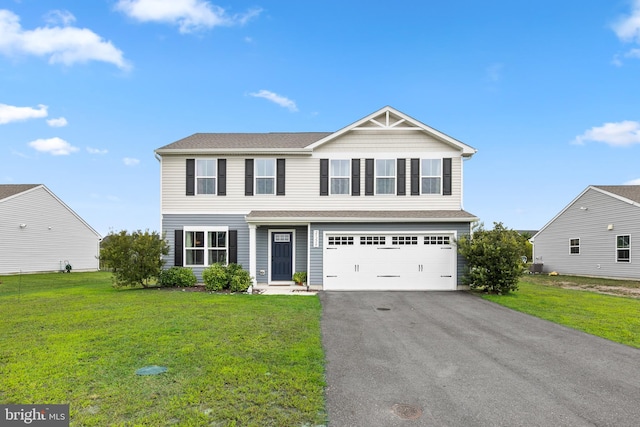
(404,240)
(436,240)
(340,240)
(372,240)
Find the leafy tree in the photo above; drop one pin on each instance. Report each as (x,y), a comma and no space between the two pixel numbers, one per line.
(134,258)
(494,259)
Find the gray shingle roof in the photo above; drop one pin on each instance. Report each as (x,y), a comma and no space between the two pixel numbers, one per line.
(282,140)
(631,192)
(371,215)
(8,190)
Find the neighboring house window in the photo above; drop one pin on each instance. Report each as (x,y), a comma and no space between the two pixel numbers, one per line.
(206,247)
(385,176)
(623,248)
(431,173)
(340,175)
(265,175)
(574,246)
(206,176)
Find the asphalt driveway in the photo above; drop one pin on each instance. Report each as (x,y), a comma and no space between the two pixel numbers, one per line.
(453,359)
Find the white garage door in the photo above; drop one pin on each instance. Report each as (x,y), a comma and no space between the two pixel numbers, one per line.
(406,261)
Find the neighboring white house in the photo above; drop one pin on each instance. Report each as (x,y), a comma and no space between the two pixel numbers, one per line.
(39,233)
(376,205)
(594,235)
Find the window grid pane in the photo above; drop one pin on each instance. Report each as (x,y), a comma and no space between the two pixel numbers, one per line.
(623,248)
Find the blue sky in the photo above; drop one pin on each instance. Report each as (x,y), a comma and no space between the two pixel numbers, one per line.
(547,91)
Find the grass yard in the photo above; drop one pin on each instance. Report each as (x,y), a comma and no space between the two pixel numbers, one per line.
(233,360)
(577,302)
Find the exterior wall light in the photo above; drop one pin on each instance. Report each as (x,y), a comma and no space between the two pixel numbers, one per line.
(23,225)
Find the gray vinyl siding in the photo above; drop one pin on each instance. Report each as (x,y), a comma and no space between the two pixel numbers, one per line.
(170,223)
(316,274)
(262,250)
(53,234)
(597,244)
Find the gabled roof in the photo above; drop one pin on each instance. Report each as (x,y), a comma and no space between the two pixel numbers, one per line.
(627,193)
(8,190)
(387,119)
(390,119)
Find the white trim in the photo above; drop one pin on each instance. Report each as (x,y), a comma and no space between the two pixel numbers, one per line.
(214,176)
(253,264)
(205,248)
(348,177)
(256,177)
(293,253)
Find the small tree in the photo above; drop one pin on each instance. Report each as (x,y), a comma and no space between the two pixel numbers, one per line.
(135,259)
(494,259)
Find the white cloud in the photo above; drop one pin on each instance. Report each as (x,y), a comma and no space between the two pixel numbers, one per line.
(620,134)
(274,97)
(627,29)
(188,15)
(91,150)
(60,122)
(66,45)
(10,113)
(130,161)
(54,146)
(633,182)
(62,17)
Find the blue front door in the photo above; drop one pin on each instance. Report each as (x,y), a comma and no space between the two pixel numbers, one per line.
(281,256)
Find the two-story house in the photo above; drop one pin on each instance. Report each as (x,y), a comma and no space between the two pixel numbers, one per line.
(376,205)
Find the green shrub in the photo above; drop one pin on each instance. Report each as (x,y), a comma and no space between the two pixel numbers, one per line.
(177,276)
(215,277)
(494,259)
(233,277)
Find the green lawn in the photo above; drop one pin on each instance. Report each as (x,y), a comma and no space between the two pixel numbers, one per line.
(613,317)
(249,360)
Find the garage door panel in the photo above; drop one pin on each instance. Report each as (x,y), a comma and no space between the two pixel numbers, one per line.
(374,262)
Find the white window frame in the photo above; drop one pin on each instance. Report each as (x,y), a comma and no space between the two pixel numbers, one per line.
(213,177)
(423,176)
(205,247)
(333,176)
(573,244)
(623,248)
(257,177)
(378,176)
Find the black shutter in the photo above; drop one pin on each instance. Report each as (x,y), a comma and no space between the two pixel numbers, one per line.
(368,177)
(324,177)
(233,246)
(248,177)
(177,248)
(280,174)
(446,177)
(415,177)
(402,180)
(222,177)
(355,177)
(191,177)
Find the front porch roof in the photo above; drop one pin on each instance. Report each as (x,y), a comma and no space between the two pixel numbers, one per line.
(304,217)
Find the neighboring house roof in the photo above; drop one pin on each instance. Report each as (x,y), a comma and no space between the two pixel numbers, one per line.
(626,193)
(361,216)
(629,192)
(8,190)
(386,118)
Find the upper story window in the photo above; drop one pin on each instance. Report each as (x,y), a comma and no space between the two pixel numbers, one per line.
(265,175)
(623,248)
(340,176)
(206,176)
(574,246)
(431,175)
(385,176)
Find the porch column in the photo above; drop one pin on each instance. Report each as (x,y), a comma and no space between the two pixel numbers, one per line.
(252,254)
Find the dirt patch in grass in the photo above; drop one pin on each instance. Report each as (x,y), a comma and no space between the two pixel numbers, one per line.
(617,287)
